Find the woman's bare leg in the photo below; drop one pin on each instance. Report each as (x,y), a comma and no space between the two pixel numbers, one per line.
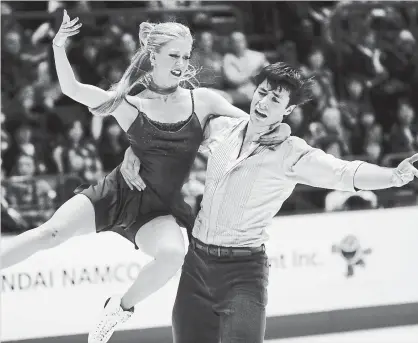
(163,240)
(75,217)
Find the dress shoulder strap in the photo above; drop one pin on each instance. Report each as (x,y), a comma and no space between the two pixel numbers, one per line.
(191,94)
(130,103)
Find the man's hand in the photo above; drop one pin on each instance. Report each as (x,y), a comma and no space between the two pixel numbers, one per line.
(278,135)
(130,171)
(405,171)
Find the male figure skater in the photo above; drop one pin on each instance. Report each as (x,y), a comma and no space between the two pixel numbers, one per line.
(222,293)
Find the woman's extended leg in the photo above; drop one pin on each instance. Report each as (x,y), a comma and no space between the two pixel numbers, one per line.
(161,239)
(75,217)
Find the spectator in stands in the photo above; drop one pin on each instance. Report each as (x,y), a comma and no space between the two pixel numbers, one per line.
(354,101)
(208,61)
(321,100)
(47,90)
(240,66)
(5,137)
(287,52)
(31,196)
(379,59)
(115,71)
(171,4)
(13,69)
(3,177)
(32,53)
(335,141)
(77,155)
(11,220)
(363,52)
(400,58)
(84,8)
(128,45)
(6,9)
(47,94)
(409,59)
(398,64)
(366,132)
(298,25)
(374,144)
(109,43)
(19,58)
(25,166)
(87,58)
(24,144)
(316,132)
(404,136)
(25,109)
(316,67)
(298,122)
(373,152)
(12,44)
(112,145)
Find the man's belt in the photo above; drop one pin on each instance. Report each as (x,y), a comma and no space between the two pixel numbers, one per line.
(219,251)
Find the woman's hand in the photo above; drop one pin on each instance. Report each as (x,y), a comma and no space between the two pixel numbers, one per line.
(276,136)
(68,28)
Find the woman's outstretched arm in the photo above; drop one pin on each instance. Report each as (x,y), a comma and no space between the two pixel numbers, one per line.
(88,95)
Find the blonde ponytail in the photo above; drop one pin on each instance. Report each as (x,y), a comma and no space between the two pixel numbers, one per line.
(145,29)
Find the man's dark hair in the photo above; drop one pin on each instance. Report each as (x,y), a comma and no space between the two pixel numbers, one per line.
(283,76)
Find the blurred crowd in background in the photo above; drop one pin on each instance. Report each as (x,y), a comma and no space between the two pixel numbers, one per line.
(363,56)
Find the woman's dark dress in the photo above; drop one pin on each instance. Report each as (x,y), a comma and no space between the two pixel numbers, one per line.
(167,152)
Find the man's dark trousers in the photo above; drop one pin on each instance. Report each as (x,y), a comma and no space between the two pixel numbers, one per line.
(221,299)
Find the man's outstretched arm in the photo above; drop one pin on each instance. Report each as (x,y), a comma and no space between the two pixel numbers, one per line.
(313,167)
(370,176)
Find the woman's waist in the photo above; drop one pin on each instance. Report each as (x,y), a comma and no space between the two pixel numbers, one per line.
(165,184)
(166,169)
(166,172)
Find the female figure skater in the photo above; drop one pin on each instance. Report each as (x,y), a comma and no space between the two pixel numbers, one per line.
(164,126)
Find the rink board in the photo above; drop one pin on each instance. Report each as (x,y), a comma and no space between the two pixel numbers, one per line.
(60,292)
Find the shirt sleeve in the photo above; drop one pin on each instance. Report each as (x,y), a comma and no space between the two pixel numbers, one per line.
(216,130)
(313,167)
